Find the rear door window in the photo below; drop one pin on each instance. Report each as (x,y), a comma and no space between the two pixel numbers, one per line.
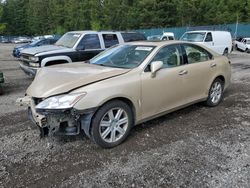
(110,40)
(196,54)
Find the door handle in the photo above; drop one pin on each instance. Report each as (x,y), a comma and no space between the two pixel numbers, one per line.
(183,72)
(213,65)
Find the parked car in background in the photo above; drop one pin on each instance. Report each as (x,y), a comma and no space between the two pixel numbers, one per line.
(125,85)
(154,37)
(167,36)
(36,43)
(21,40)
(242,44)
(1,82)
(164,36)
(219,41)
(72,47)
(44,37)
(4,39)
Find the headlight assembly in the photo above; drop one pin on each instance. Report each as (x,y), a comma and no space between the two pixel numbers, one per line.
(34,58)
(60,101)
(34,64)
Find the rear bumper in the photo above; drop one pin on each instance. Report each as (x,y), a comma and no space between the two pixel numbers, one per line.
(28,70)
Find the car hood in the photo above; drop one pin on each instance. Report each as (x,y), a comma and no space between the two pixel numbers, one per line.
(23,46)
(63,78)
(42,50)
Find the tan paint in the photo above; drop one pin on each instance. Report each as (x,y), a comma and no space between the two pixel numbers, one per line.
(58,79)
(150,96)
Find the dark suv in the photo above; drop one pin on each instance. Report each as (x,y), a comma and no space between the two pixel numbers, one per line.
(72,47)
(36,43)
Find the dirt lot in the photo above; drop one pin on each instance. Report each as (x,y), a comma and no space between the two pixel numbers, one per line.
(194,147)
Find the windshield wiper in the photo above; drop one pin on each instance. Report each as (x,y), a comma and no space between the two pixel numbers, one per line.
(59,45)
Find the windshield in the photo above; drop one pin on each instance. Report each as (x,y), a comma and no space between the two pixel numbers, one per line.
(123,56)
(68,40)
(194,37)
(35,42)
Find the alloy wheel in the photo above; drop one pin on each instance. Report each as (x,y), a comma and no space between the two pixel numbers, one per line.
(113,125)
(216,92)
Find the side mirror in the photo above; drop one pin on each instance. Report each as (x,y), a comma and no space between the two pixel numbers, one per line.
(154,67)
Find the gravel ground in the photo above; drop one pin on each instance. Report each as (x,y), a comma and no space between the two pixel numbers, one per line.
(193,147)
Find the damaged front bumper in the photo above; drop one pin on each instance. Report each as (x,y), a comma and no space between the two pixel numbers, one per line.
(58,122)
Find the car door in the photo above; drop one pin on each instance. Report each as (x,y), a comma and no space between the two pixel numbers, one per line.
(201,68)
(209,41)
(88,47)
(166,90)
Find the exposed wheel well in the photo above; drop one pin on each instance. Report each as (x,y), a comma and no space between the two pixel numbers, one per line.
(123,99)
(56,62)
(127,101)
(221,78)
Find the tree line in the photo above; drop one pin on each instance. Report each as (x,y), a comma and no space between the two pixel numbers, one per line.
(37,17)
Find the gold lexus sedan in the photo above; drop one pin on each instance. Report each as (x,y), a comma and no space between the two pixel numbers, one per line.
(123,86)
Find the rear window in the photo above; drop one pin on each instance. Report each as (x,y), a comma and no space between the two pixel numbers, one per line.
(129,37)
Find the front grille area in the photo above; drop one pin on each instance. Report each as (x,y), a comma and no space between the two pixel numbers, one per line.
(25,63)
(25,57)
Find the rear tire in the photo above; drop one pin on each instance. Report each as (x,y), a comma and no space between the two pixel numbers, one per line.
(215,94)
(111,124)
(1,90)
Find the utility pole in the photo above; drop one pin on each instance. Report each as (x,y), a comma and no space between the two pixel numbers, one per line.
(236,26)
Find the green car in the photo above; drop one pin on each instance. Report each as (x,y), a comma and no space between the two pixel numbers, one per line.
(1,81)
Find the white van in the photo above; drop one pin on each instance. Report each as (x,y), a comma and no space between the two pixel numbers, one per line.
(219,41)
(167,36)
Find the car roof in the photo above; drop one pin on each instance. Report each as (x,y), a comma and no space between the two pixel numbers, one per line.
(197,31)
(161,43)
(158,42)
(91,31)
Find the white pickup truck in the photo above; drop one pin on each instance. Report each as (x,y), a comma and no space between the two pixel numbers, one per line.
(242,44)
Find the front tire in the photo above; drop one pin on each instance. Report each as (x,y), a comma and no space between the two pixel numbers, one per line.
(215,94)
(236,46)
(111,124)
(225,53)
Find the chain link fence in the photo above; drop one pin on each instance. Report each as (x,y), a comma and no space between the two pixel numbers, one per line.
(236,30)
